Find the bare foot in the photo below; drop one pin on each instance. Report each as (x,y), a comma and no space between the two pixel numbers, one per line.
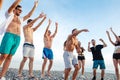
(42,76)
(48,74)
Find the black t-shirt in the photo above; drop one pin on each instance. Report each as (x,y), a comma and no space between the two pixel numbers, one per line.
(96,52)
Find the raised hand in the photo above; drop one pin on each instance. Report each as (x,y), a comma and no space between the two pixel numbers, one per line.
(101,40)
(107,32)
(85,30)
(42,15)
(36,3)
(111,29)
(88,43)
(50,21)
(56,24)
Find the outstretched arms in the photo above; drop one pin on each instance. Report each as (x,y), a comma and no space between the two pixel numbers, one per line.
(79,31)
(56,24)
(34,29)
(31,12)
(12,7)
(104,44)
(108,34)
(33,21)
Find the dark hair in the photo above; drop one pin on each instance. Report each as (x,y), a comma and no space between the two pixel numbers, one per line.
(29,20)
(18,6)
(93,40)
(119,36)
(74,30)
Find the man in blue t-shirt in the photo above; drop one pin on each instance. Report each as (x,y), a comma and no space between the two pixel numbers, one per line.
(97,57)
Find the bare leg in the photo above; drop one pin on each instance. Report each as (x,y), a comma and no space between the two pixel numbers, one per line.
(43,67)
(49,67)
(67,72)
(31,66)
(75,72)
(21,66)
(102,73)
(6,65)
(79,64)
(94,74)
(115,62)
(83,64)
(2,58)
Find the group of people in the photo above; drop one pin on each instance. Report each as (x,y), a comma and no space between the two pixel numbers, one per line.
(98,60)
(11,40)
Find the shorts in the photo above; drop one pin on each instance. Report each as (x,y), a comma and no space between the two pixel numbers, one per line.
(96,63)
(28,50)
(10,43)
(69,59)
(47,53)
(81,57)
(116,56)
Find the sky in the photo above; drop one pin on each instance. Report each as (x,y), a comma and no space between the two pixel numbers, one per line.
(95,15)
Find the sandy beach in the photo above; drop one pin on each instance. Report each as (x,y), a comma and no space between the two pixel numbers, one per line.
(56,75)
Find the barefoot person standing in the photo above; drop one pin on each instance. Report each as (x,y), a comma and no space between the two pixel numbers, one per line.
(116,54)
(28,46)
(81,58)
(69,58)
(11,39)
(47,51)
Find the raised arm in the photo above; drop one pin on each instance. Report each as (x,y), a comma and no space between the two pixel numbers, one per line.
(33,21)
(31,12)
(12,7)
(1,1)
(104,44)
(117,38)
(56,24)
(89,50)
(34,29)
(47,27)
(79,31)
(110,38)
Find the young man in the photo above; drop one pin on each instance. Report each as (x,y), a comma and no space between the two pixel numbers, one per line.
(47,51)
(28,47)
(11,39)
(68,56)
(97,57)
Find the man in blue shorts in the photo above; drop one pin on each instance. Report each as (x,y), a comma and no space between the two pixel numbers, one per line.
(97,57)
(47,51)
(12,30)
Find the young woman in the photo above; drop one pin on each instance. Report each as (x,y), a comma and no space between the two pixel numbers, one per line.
(116,54)
(81,58)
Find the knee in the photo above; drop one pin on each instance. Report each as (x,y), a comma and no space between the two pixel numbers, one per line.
(24,60)
(3,57)
(9,57)
(77,67)
(31,60)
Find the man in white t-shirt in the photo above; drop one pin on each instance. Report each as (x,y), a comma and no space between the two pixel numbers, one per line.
(11,38)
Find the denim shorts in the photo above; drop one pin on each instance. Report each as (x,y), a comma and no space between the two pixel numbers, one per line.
(97,63)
